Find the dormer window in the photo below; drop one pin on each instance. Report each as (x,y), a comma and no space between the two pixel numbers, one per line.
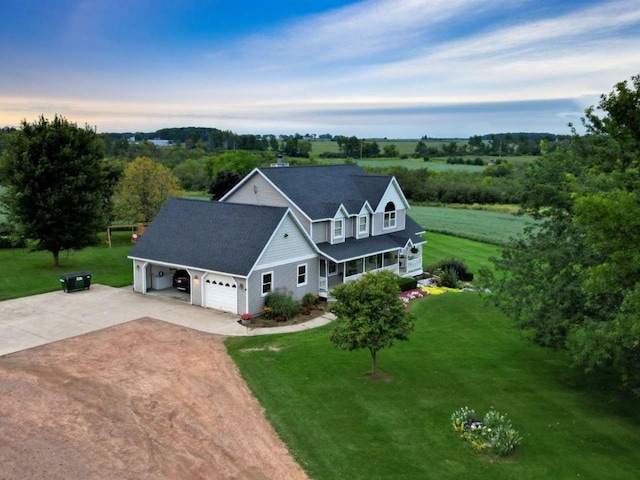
(363,225)
(389,216)
(338,226)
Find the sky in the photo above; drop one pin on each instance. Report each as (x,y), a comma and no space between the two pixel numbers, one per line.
(373,68)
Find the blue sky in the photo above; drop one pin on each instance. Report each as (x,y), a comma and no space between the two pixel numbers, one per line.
(378,68)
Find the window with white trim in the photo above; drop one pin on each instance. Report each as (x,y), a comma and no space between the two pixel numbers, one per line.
(332,268)
(389,216)
(338,226)
(363,224)
(267,283)
(302,274)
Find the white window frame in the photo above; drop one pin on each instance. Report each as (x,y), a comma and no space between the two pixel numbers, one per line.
(366,224)
(333,229)
(262,283)
(389,220)
(305,274)
(332,268)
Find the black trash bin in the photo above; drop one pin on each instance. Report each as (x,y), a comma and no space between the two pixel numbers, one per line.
(72,282)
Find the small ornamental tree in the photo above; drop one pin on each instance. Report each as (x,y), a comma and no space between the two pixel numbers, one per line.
(370,314)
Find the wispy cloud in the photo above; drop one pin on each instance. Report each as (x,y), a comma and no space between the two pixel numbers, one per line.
(437,65)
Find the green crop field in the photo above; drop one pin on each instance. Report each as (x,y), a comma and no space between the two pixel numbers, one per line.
(417,164)
(404,146)
(480,225)
(340,423)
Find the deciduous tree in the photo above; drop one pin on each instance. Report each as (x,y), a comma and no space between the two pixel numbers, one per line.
(143,189)
(370,314)
(56,183)
(575,283)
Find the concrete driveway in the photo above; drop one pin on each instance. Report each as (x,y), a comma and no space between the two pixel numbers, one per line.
(40,319)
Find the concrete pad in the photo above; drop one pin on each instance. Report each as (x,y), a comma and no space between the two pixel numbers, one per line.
(40,319)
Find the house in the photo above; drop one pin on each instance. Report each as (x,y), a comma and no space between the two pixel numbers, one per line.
(300,229)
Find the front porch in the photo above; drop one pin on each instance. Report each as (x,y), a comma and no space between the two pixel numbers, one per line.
(404,262)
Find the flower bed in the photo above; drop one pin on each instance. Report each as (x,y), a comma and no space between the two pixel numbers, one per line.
(411,295)
(493,434)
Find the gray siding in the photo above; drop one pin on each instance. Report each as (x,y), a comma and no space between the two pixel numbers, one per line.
(320,231)
(377,220)
(288,243)
(257,191)
(285,278)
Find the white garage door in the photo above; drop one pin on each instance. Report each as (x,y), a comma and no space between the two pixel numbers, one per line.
(220,292)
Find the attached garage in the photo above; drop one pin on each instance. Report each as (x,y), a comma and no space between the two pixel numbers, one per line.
(225,248)
(220,292)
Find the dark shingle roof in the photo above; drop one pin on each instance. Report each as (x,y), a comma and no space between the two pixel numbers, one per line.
(220,237)
(320,189)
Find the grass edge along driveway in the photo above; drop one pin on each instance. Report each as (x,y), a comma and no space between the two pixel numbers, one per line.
(341,424)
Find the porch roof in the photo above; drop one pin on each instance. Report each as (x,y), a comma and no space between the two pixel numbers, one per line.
(353,248)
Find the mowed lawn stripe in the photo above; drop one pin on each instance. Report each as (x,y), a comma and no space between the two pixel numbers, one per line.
(341,424)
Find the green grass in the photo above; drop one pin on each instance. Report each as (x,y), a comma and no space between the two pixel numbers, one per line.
(28,273)
(418,164)
(339,423)
(480,225)
(474,254)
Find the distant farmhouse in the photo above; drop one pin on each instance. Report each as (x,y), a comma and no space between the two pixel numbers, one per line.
(296,229)
(156,141)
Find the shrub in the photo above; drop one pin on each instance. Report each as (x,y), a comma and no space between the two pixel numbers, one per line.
(406,284)
(283,306)
(310,299)
(449,278)
(7,241)
(457,265)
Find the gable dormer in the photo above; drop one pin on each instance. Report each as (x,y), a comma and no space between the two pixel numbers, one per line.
(389,215)
(362,222)
(339,226)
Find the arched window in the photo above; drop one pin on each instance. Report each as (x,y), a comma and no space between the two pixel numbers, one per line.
(389,216)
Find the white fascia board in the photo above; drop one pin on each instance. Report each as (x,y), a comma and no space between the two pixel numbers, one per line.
(240,184)
(304,214)
(366,207)
(361,256)
(289,214)
(400,192)
(185,267)
(344,212)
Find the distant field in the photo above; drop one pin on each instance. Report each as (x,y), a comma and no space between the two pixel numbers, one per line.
(404,146)
(417,164)
(489,227)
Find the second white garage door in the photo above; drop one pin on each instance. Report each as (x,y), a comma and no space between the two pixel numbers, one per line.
(220,292)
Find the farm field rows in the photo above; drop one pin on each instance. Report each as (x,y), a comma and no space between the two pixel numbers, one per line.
(480,225)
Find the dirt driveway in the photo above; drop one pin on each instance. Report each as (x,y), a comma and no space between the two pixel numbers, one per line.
(140,400)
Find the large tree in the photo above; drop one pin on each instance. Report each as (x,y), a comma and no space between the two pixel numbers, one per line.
(57,184)
(143,189)
(370,314)
(238,161)
(574,282)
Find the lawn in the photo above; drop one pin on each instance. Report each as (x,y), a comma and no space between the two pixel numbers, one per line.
(474,254)
(29,273)
(481,225)
(340,423)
